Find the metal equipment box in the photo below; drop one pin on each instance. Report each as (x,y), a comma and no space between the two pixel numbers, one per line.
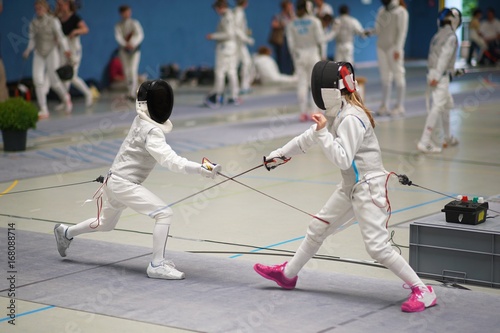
(459,253)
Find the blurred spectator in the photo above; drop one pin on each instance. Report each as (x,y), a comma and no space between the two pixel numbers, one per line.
(490,30)
(278,37)
(266,69)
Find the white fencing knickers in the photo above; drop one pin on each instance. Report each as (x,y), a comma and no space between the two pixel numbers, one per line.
(304,61)
(76,58)
(246,64)
(226,64)
(442,103)
(130,63)
(391,70)
(120,194)
(44,71)
(368,207)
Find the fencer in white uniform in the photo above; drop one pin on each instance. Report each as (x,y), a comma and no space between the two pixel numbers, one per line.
(226,57)
(142,149)
(129,36)
(73,27)
(306,41)
(345,134)
(243,41)
(391,26)
(45,34)
(267,70)
(441,67)
(346,28)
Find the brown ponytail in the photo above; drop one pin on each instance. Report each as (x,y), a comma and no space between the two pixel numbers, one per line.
(355,99)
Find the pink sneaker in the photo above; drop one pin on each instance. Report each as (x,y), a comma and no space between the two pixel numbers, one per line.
(276,273)
(420,298)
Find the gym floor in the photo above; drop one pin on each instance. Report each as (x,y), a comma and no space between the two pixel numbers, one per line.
(230,220)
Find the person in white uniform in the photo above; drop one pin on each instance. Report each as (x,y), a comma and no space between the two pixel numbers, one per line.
(391,26)
(226,57)
(490,30)
(440,69)
(45,34)
(243,41)
(142,149)
(306,41)
(267,70)
(347,27)
(129,36)
(73,27)
(345,134)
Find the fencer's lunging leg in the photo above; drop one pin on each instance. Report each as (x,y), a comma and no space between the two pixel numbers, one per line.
(338,212)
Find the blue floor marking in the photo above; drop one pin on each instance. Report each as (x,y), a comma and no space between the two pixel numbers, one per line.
(28,312)
(271,246)
(302,237)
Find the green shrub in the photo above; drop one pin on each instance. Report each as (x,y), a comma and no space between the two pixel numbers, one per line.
(17,114)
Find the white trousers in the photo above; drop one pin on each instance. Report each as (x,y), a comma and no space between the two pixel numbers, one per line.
(245,61)
(130,64)
(76,81)
(439,113)
(391,70)
(366,203)
(44,75)
(226,65)
(344,52)
(119,194)
(304,65)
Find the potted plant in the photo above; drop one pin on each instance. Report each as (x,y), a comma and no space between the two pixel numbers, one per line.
(16,117)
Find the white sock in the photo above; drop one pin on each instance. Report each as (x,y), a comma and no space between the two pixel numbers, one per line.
(306,251)
(81,228)
(398,265)
(160,236)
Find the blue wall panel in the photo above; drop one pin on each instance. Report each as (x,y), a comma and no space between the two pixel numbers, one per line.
(175,31)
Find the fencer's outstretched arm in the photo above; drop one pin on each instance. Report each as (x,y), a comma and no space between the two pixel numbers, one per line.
(340,150)
(167,157)
(298,145)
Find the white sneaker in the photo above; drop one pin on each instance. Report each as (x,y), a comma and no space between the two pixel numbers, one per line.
(43,114)
(382,111)
(165,270)
(60,107)
(62,242)
(428,148)
(89,100)
(68,105)
(398,111)
(450,142)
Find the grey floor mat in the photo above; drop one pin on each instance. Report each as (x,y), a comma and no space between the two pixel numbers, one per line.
(226,295)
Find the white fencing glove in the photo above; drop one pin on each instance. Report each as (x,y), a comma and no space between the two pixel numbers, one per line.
(274,160)
(209,169)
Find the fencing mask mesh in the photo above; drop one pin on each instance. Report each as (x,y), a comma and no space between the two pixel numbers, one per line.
(159,97)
